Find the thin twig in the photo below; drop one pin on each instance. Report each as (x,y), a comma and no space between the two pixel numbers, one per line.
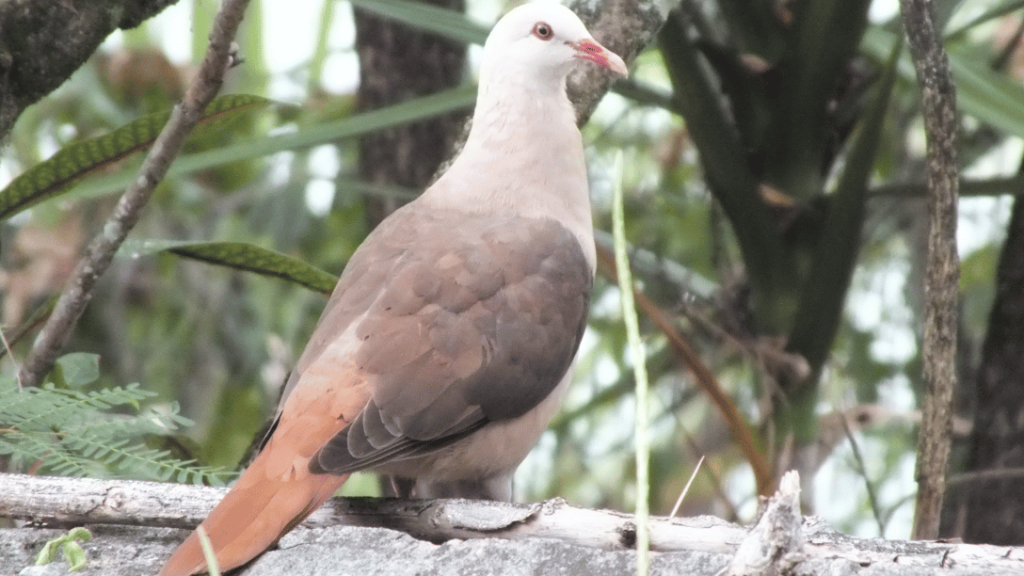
(731,514)
(686,489)
(100,252)
(997,186)
(863,471)
(938,106)
(986,476)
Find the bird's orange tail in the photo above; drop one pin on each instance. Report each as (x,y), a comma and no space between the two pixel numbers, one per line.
(261,508)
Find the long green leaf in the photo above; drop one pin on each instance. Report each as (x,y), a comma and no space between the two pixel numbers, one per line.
(649,264)
(980,92)
(320,53)
(252,258)
(447,23)
(825,35)
(755,27)
(997,11)
(817,320)
(73,162)
(352,126)
(638,353)
(770,268)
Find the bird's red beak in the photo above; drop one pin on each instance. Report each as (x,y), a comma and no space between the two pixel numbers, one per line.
(590,50)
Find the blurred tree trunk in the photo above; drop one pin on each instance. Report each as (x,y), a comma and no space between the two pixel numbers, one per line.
(397,63)
(990,504)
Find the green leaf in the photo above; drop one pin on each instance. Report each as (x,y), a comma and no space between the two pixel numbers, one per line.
(68,543)
(74,556)
(49,551)
(252,258)
(731,181)
(77,160)
(997,11)
(208,553)
(645,262)
(824,36)
(320,53)
(80,534)
(821,304)
(980,91)
(78,369)
(352,126)
(447,23)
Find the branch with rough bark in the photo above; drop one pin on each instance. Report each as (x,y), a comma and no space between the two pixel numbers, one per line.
(390,536)
(938,104)
(43,43)
(100,252)
(623,26)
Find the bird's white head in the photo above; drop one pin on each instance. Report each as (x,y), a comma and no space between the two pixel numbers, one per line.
(543,40)
(524,153)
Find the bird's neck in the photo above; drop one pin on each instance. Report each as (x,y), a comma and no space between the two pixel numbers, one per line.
(523,155)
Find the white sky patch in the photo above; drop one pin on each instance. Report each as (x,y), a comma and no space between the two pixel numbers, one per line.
(279,168)
(895,393)
(323,164)
(896,490)
(172,30)
(300,18)
(341,73)
(285,88)
(982,221)
(841,495)
(896,343)
(324,161)
(883,11)
(320,196)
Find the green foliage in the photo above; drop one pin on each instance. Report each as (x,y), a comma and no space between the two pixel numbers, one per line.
(69,546)
(248,258)
(208,554)
(72,432)
(76,369)
(73,162)
(638,356)
(426,17)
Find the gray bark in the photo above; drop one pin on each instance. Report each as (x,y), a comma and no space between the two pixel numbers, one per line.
(409,537)
(938,105)
(42,42)
(990,500)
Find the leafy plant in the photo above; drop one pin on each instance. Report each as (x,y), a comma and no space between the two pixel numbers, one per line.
(63,429)
(79,159)
(68,545)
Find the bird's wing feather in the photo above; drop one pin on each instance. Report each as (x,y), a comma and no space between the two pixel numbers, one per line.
(451,319)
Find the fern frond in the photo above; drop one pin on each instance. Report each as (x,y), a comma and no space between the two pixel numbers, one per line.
(74,433)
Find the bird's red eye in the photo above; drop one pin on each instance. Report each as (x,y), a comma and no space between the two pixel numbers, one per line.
(543,31)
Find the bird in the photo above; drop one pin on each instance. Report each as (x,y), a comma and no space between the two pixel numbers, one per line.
(447,344)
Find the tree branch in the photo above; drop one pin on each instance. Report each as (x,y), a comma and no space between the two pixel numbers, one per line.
(623,26)
(938,100)
(479,537)
(43,43)
(77,501)
(100,252)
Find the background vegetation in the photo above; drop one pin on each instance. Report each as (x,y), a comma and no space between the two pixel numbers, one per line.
(774,180)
